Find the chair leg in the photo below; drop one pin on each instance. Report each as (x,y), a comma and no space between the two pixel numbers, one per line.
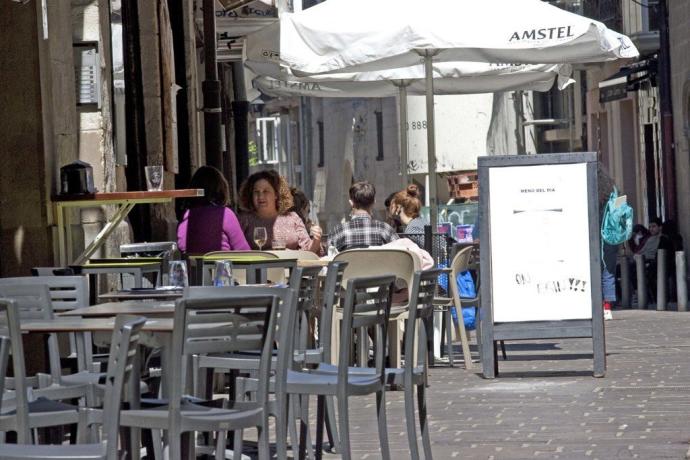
(293,414)
(383,425)
(320,416)
(423,422)
(331,425)
(305,446)
(281,428)
(237,445)
(462,333)
(410,421)
(503,350)
(343,416)
(449,335)
(221,439)
(264,448)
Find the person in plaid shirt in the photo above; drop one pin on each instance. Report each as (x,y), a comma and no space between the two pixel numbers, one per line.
(361,231)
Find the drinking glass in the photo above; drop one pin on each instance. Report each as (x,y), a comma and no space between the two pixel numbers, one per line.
(278,244)
(154,178)
(223,275)
(260,237)
(177,273)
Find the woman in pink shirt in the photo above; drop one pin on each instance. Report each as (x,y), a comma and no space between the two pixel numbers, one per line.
(266,199)
(209,224)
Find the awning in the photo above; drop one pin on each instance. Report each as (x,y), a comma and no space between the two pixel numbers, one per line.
(628,78)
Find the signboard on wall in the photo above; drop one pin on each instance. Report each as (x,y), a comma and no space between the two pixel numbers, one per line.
(540,252)
(462,126)
(539,233)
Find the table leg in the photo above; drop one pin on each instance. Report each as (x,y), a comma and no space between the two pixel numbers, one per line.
(105,232)
(62,250)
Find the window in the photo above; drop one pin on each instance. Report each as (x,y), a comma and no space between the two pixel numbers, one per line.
(268,139)
(379,135)
(321,144)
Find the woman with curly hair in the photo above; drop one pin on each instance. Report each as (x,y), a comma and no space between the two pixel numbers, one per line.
(209,224)
(266,200)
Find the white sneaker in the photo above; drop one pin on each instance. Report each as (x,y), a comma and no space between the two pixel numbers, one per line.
(608,316)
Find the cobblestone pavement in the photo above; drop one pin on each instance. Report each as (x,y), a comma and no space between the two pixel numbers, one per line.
(546,404)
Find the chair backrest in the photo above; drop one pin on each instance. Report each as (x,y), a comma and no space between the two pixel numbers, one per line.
(460,263)
(374,262)
(295,254)
(367,305)
(9,327)
(123,349)
(331,296)
(421,310)
(232,319)
(33,303)
(66,292)
(240,272)
(306,281)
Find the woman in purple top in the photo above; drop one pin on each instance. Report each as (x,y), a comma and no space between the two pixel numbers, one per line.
(266,199)
(209,224)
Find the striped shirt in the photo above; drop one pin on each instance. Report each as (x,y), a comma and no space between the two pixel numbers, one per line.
(361,231)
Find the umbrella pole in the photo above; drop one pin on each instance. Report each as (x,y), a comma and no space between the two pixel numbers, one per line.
(404,146)
(431,138)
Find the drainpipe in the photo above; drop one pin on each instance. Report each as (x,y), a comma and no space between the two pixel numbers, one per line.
(666,106)
(211,89)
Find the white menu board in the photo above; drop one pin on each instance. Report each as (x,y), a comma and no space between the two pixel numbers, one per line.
(540,249)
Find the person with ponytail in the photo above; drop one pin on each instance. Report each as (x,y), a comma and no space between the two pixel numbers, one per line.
(407,207)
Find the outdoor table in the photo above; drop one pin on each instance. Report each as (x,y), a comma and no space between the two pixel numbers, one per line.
(137,267)
(142,294)
(149,309)
(124,201)
(255,266)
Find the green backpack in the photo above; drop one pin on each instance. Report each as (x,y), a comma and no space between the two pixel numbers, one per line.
(617,222)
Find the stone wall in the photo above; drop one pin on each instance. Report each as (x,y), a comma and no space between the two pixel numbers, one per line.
(24,231)
(679,25)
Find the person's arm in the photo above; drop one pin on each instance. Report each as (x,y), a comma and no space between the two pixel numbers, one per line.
(182,233)
(389,234)
(233,230)
(304,240)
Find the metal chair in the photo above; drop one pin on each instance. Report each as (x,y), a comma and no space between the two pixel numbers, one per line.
(367,305)
(374,262)
(122,352)
(203,327)
(34,302)
(414,373)
(248,361)
(467,259)
(25,413)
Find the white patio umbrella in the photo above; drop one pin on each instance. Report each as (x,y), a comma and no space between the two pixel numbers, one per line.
(365,35)
(449,78)
(261,53)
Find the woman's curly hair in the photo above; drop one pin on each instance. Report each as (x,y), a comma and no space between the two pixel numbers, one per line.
(279,184)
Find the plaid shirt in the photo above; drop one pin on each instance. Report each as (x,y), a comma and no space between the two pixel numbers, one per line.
(361,232)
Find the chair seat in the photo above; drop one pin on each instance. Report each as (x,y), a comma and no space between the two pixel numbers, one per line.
(196,417)
(327,384)
(53,452)
(394,375)
(41,405)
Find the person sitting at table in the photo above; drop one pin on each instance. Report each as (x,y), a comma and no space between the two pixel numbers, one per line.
(407,206)
(209,224)
(266,200)
(361,231)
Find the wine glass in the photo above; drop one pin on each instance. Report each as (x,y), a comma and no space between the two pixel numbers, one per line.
(260,237)
(177,274)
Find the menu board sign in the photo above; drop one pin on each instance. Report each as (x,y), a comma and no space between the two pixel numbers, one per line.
(540,247)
